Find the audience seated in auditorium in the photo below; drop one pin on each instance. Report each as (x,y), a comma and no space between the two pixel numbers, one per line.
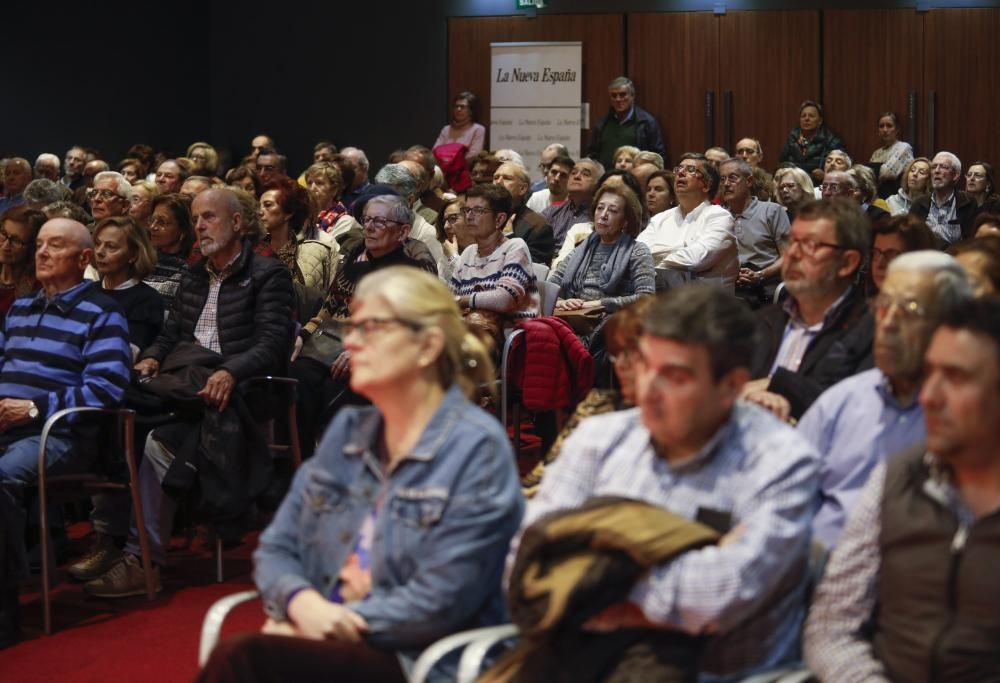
(822,332)
(948,211)
(493,281)
(405,183)
(809,143)
(695,238)
(692,448)
(861,421)
(794,188)
(914,182)
(892,237)
(428,498)
(610,268)
(232,321)
(18,229)
(553,191)
(64,347)
(761,233)
(16,176)
(910,592)
(577,208)
(322,371)
(626,123)
(530,226)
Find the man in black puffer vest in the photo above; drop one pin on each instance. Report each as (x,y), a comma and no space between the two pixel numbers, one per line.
(233,319)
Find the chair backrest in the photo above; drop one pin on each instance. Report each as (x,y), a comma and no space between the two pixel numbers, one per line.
(541,271)
(548,292)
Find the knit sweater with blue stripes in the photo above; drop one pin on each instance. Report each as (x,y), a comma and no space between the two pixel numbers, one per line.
(64,352)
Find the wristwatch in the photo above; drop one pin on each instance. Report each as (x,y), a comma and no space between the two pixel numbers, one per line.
(33,411)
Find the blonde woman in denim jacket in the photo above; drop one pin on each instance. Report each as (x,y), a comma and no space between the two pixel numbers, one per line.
(394,534)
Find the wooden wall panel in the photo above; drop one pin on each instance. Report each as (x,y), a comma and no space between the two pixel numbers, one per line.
(674,60)
(961,57)
(770,62)
(871,63)
(469,53)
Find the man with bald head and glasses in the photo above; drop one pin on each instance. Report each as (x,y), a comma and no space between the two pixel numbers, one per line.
(822,332)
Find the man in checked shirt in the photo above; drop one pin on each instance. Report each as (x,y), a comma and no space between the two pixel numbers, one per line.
(690,447)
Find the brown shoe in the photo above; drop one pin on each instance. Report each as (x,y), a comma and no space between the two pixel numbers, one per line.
(102,556)
(124,579)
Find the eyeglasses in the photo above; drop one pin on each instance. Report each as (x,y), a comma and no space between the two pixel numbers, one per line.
(105,195)
(378,222)
(452,217)
(975,175)
(15,241)
(159,223)
(468,211)
(835,188)
(885,254)
(908,309)
(810,247)
(731,179)
(943,167)
(688,170)
(369,326)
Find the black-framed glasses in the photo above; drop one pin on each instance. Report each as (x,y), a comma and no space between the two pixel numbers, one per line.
(731,179)
(369,326)
(15,241)
(378,222)
(452,218)
(105,195)
(468,211)
(809,247)
(885,254)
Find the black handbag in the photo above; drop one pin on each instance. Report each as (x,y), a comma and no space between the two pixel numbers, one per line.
(325,344)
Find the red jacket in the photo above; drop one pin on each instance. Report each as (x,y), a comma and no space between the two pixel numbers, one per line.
(556,370)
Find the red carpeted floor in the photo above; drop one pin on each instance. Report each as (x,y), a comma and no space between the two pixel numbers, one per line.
(133,639)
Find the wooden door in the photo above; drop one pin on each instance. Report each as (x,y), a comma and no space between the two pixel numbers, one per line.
(961,58)
(769,61)
(469,38)
(871,64)
(673,58)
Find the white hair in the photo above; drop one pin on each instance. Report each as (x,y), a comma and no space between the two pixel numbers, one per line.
(956,163)
(123,188)
(48,157)
(362,158)
(509,155)
(951,283)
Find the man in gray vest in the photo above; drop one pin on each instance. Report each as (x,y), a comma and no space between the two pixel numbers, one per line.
(923,541)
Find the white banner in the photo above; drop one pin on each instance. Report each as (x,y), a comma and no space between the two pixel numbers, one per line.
(535,98)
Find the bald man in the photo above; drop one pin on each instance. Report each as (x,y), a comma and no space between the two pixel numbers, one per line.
(63,347)
(529,225)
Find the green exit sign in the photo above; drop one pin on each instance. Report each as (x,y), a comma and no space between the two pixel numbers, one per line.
(529,4)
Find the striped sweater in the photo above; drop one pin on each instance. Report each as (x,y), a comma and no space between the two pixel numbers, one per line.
(503,282)
(65,352)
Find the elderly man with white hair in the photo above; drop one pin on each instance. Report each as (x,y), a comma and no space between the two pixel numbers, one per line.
(404,181)
(862,420)
(525,223)
(48,166)
(110,196)
(357,157)
(948,211)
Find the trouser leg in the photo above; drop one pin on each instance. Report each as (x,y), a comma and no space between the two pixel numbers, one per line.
(158,507)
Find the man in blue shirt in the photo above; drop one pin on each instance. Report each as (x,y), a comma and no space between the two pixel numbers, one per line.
(861,421)
(65,347)
(691,448)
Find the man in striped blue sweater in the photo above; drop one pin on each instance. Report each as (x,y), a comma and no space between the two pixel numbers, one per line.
(64,347)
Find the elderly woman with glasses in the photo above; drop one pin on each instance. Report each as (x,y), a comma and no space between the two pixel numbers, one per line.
(394,534)
(323,376)
(980,184)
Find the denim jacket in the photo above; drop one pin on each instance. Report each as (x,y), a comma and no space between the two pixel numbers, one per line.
(447,515)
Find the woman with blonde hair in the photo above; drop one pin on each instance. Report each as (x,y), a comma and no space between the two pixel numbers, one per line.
(394,534)
(624,157)
(794,188)
(204,159)
(914,183)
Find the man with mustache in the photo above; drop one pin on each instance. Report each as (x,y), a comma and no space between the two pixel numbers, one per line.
(861,421)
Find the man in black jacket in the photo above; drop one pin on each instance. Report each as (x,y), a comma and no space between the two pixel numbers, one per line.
(948,211)
(529,225)
(823,332)
(624,124)
(234,305)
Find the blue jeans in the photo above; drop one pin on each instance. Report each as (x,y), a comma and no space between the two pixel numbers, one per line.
(18,469)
